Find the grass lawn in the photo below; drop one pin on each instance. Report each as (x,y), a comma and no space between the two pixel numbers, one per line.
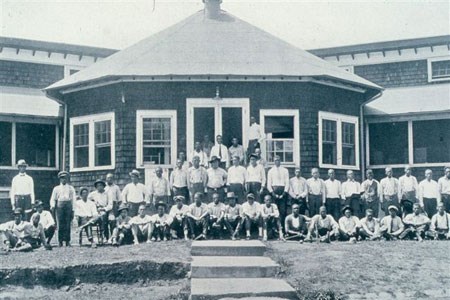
(368,267)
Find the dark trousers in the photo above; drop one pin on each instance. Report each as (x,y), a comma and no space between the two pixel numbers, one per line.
(429,206)
(133,208)
(373,205)
(179,226)
(334,207)
(64,215)
(254,188)
(354,201)
(314,204)
(249,223)
(182,191)
(446,200)
(198,226)
(412,232)
(223,165)
(344,236)
(233,225)
(238,190)
(252,145)
(388,201)
(220,191)
(161,231)
(49,233)
(364,235)
(215,229)
(24,202)
(280,202)
(197,188)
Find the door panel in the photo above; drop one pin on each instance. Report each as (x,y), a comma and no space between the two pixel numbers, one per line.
(231,124)
(204,123)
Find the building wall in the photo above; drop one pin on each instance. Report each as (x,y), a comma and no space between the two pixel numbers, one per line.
(29,75)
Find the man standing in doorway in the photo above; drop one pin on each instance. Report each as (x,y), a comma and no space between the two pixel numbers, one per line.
(255,136)
(198,151)
(22,191)
(237,150)
(219,150)
(278,186)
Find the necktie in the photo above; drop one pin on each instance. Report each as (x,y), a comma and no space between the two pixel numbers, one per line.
(220,150)
(392,225)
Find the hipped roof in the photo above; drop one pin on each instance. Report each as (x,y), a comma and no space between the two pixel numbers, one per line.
(199,46)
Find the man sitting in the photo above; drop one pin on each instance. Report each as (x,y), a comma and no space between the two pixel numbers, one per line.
(122,231)
(323,227)
(46,220)
(251,214)
(216,213)
(86,215)
(161,221)
(197,217)
(34,236)
(270,217)
(370,226)
(12,232)
(232,216)
(440,224)
(140,226)
(178,213)
(295,225)
(104,206)
(416,224)
(391,226)
(348,225)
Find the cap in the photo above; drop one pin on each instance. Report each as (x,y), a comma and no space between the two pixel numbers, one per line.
(63,174)
(22,162)
(179,198)
(38,203)
(160,203)
(231,195)
(83,188)
(253,155)
(214,158)
(250,196)
(17,211)
(122,207)
(99,181)
(393,207)
(135,173)
(347,208)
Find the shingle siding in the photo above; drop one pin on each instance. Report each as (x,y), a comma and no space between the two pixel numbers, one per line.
(31,75)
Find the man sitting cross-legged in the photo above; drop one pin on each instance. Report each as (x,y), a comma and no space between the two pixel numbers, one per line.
(232,216)
(348,225)
(440,224)
(416,224)
(122,231)
(178,213)
(160,229)
(295,225)
(251,214)
(370,227)
(270,217)
(140,226)
(12,232)
(197,218)
(391,226)
(323,227)
(216,213)
(46,220)
(34,236)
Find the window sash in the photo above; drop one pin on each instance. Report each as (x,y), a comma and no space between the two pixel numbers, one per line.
(440,69)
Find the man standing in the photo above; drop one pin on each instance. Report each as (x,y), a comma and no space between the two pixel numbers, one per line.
(408,191)
(22,190)
(216,214)
(316,192)
(219,150)
(178,181)
(114,194)
(232,216)
(160,223)
(444,189)
(416,224)
(197,177)
(391,226)
(159,189)
(255,136)
(46,220)
(63,200)
(322,227)
(351,193)
(236,179)
(370,190)
(135,193)
(104,205)
(255,178)
(370,226)
(178,213)
(141,226)
(184,162)
(278,186)
(216,179)
(259,159)
(348,225)
(237,150)
(295,225)
(333,192)
(202,156)
(298,190)
(251,215)
(390,190)
(270,218)
(440,224)
(197,218)
(207,146)
(429,195)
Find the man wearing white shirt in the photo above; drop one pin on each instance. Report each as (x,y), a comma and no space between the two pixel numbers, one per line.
(259,159)
(444,189)
(390,190)
(197,178)
(216,179)
(178,213)
(333,195)
(270,218)
(408,191)
(86,215)
(348,225)
(221,151)
(161,221)
(351,193)
(159,189)
(316,192)
(140,226)
(429,195)
(255,136)
(251,214)
(255,178)
(370,190)
(237,150)
(178,181)
(104,205)
(440,224)
(46,220)
(236,179)
(298,190)
(278,186)
(370,226)
(416,224)
(134,193)
(198,151)
(22,190)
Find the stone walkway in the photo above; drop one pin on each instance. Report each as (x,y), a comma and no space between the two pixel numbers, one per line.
(235,270)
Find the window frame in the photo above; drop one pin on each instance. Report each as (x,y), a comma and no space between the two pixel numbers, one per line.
(296,140)
(143,114)
(430,62)
(91,120)
(339,119)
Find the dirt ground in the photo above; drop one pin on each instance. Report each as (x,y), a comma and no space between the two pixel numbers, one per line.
(339,269)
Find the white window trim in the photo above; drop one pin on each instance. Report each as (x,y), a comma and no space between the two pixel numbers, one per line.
(430,71)
(14,145)
(339,118)
(91,120)
(410,148)
(140,115)
(282,113)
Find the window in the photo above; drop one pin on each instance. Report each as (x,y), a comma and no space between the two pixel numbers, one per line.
(431,141)
(156,137)
(438,69)
(281,128)
(5,143)
(338,141)
(388,143)
(93,142)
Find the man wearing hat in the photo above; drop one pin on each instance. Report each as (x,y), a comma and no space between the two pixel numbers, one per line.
(278,186)
(160,229)
(391,226)
(178,181)
(255,177)
(134,193)
(159,189)
(236,179)
(141,226)
(197,218)
(86,215)
(370,226)
(220,151)
(251,216)
(298,190)
(12,232)
(232,216)
(197,177)
(22,190)
(323,227)
(104,205)
(295,224)
(46,220)
(178,213)
(348,225)
(63,200)
(216,213)
(416,224)
(216,179)
(270,218)
(122,231)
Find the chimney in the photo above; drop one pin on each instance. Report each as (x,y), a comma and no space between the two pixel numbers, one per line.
(212,8)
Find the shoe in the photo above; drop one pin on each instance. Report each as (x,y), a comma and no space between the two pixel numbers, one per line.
(149,242)
(186,238)
(158,239)
(93,245)
(300,242)
(165,239)
(153,239)
(247,238)
(60,244)
(68,244)
(136,243)
(265,239)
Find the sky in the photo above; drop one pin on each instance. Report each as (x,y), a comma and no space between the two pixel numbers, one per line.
(306,24)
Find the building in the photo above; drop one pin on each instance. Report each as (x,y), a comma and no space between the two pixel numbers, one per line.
(206,76)
(410,123)
(31,124)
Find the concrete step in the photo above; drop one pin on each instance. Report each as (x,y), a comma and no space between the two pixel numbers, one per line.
(232,267)
(219,288)
(227,248)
